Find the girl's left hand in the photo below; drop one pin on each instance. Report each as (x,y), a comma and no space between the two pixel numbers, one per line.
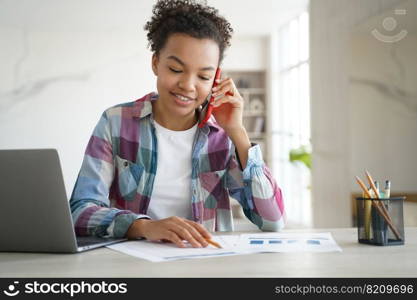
(228,105)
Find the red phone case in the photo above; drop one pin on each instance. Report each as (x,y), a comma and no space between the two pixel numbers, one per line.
(209,108)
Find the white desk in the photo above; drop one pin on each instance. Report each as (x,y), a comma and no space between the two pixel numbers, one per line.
(356,260)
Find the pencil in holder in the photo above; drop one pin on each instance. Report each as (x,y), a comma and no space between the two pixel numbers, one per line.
(380,221)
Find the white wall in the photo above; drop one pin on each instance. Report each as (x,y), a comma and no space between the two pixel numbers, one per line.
(56,84)
(383,110)
(249,53)
(332,23)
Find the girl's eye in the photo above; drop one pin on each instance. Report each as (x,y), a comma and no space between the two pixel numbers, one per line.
(175,71)
(179,71)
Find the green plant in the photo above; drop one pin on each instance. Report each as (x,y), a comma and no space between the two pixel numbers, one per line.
(301,154)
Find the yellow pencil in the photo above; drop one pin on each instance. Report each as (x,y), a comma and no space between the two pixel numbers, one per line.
(380,204)
(367,216)
(372,184)
(379,209)
(211,242)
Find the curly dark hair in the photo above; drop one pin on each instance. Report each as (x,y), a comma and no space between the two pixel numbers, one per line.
(190,17)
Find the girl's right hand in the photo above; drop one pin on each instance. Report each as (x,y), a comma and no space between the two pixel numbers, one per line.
(172,229)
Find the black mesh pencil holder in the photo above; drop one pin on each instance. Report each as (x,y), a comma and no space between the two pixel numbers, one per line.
(380,221)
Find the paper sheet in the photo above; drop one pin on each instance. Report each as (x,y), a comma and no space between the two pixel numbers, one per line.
(287,242)
(232,245)
(158,251)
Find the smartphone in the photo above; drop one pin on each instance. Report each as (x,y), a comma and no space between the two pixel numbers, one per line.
(207,109)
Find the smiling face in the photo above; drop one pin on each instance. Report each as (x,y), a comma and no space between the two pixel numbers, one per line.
(185,70)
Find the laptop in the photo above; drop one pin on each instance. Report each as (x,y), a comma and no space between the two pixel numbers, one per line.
(34,210)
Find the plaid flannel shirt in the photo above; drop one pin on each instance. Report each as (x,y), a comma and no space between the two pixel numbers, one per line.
(114,185)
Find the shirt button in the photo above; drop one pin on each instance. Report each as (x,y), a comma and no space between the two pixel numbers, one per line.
(125,164)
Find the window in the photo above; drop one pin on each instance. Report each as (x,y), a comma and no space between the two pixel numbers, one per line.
(290,124)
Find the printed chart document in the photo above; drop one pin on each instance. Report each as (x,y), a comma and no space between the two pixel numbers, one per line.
(231,245)
(287,242)
(158,251)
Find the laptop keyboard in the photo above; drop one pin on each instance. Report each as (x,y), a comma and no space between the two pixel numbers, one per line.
(91,240)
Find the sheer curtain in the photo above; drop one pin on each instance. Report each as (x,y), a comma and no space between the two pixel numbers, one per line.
(290,124)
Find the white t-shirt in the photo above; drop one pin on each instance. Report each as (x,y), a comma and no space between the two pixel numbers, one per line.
(171,195)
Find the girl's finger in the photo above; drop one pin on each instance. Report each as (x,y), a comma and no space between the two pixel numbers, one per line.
(224,90)
(195,233)
(183,233)
(174,238)
(200,228)
(221,85)
(222,80)
(226,99)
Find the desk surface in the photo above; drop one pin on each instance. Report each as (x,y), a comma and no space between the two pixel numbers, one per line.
(356,260)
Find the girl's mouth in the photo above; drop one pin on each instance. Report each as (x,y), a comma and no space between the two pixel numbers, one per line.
(182,100)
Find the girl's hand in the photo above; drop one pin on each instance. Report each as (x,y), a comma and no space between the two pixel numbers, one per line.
(172,229)
(228,105)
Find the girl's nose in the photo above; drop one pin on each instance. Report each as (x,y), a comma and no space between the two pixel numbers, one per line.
(186,83)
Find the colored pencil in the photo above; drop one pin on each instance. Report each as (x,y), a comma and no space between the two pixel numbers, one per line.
(215,244)
(379,209)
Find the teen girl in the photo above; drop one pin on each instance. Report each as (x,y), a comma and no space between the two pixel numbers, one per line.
(150,172)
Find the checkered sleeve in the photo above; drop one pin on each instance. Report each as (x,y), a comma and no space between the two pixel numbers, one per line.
(256,191)
(90,204)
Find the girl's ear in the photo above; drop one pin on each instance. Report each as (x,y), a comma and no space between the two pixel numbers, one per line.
(155,60)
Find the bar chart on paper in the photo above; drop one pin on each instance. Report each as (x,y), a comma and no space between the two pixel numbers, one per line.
(287,242)
(280,241)
(231,245)
(265,241)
